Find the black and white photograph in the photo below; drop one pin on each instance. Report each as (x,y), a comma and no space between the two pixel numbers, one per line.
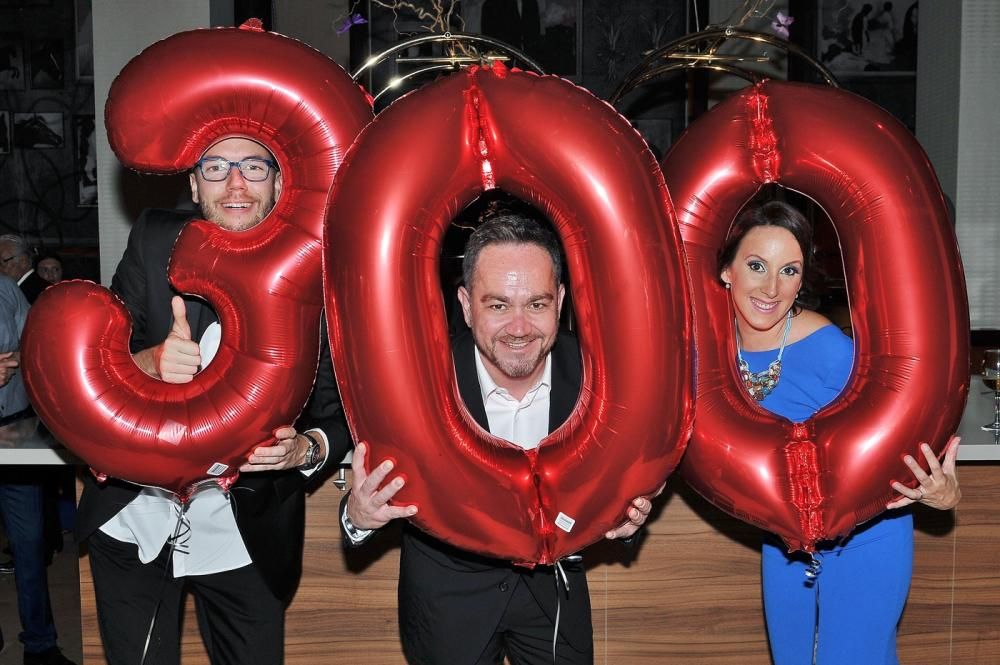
(84,40)
(5,137)
(86,159)
(39,130)
(47,64)
(547,30)
(12,73)
(865,38)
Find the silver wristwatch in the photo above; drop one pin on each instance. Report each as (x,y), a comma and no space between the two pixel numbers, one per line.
(313,452)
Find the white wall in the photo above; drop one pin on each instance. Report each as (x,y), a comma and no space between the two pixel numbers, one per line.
(123,28)
(958,124)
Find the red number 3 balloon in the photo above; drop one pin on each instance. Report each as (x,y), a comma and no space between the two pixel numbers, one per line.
(817,480)
(557,146)
(166,107)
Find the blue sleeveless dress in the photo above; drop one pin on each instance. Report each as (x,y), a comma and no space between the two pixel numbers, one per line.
(850,612)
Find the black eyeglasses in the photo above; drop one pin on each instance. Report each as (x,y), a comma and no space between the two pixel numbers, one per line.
(254,169)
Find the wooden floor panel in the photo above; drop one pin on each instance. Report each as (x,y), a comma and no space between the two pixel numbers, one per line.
(687,595)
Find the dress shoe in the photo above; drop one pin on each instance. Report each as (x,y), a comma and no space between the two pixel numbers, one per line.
(6,567)
(51,656)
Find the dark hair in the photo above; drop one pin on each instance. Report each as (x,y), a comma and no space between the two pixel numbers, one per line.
(782,215)
(47,254)
(503,224)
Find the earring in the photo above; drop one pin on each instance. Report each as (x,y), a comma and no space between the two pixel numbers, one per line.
(728,285)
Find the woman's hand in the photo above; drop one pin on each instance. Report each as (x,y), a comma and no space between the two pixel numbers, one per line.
(939,489)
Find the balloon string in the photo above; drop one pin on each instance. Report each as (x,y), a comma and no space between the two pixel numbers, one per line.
(182,523)
(560,574)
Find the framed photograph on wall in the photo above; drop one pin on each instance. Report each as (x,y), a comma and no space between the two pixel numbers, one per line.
(86,160)
(549,31)
(39,130)
(859,38)
(6,139)
(12,73)
(84,41)
(47,64)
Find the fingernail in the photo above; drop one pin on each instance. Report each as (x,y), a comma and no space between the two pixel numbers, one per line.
(387,465)
(412,510)
(398,482)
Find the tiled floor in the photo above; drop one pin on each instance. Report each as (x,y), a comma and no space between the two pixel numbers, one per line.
(64,589)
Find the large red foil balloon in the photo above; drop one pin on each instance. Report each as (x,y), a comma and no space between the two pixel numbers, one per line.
(558,147)
(816,480)
(166,107)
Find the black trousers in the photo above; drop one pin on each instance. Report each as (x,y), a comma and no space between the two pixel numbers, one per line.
(241,621)
(525,636)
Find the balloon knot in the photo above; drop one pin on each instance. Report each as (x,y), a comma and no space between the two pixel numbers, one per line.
(253,25)
(763,140)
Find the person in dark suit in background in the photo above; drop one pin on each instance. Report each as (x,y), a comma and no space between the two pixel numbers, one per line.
(16,263)
(240,553)
(519,379)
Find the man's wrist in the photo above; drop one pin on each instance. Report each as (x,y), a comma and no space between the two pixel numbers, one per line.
(314,452)
(354,534)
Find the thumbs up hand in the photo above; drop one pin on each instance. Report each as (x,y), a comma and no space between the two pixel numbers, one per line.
(178,358)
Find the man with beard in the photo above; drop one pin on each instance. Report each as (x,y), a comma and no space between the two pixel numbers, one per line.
(520,379)
(239,554)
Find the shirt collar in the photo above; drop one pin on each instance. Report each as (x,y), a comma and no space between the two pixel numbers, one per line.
(25,276)
(488,386)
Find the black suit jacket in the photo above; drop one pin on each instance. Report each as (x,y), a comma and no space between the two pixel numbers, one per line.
(32,286)
(269,506)
(451,601)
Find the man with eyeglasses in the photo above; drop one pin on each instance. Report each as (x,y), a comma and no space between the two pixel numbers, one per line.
(15,262)
(239,554)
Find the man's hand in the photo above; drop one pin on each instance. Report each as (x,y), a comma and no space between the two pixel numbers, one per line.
(367,505)
(9,362)
(939,489)
(287,452)
(178,358)
(637,515)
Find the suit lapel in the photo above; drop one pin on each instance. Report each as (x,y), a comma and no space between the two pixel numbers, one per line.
(463,351)
(565,380)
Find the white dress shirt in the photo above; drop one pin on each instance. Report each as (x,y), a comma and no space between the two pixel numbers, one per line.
(208,540)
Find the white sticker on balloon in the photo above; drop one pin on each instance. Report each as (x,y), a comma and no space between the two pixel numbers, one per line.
(217,469)
(565,522)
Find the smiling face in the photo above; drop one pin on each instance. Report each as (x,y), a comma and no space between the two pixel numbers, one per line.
(236,203)
(765,276)
(512,307)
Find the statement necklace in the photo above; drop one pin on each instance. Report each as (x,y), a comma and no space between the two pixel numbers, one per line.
(761,384)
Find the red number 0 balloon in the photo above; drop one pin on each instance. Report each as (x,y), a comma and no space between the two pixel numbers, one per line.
(557,146)
(909,312)
(166,107)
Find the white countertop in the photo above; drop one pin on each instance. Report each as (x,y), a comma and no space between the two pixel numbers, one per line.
(977,444)
(23,442)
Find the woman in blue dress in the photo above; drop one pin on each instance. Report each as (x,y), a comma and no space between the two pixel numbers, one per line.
(794,361)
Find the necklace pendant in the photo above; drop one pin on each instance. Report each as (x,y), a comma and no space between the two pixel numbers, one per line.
(760,384)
